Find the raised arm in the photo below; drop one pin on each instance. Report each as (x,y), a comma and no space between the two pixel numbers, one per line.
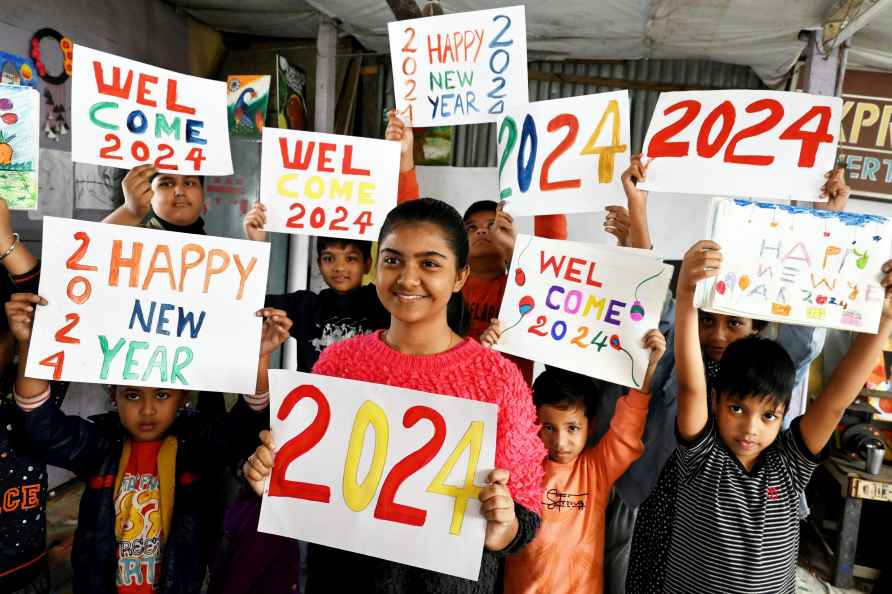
(824,414)
(138,193)
(18,260)
(700,262)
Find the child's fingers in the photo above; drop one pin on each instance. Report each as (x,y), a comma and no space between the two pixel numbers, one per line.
(27,298)
(266,438)
(887,271)
(499,475)
(268,312)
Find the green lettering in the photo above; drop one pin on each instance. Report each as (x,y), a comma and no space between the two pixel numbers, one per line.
(108,355)
(163,127)
(159,360)
(177,366)
(129,361)
(95,119)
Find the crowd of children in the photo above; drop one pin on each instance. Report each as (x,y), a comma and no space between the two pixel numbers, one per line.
(695,480)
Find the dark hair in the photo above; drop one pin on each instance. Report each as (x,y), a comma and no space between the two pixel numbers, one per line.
(756,367)
(364,247)
(157,173)
(480,206)
(759,325)
(444,216)
(565,390)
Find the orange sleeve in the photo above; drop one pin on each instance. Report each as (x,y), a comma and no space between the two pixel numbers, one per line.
(549,226)
(407,189)
(622,444)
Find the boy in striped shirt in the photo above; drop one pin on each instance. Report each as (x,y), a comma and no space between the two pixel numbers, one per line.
(736,523)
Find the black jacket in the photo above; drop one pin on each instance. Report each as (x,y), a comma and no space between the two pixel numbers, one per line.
(92,450)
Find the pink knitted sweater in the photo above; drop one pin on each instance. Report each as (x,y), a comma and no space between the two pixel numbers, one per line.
(468,371)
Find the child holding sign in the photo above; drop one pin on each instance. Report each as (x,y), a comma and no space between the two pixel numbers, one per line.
(144,523)
(346,308)
(567,553)
(736,523)
(23,482)
(160,200)
(422,267)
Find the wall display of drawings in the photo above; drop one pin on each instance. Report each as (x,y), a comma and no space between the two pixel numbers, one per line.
(564,155)
(756,143)
(291,98)
(125,113)
(17,70)
(19,145)
(583,307)
(247,102)
(142,307)
(342,470)
(460,68)
(797,265)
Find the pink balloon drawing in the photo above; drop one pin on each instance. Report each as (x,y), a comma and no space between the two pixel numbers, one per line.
(636,312)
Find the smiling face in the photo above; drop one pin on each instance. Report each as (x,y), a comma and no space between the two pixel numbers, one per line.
(748,425)
(717,331)
(564,431)
(178,199)
(417,272)
(477,227)
(342,267)
(147,413)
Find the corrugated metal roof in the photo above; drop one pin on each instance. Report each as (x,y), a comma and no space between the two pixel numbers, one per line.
(475,146)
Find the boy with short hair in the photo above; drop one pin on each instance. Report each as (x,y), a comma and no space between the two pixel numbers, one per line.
(736,521)
(567,553)
(144,523)
(161,200)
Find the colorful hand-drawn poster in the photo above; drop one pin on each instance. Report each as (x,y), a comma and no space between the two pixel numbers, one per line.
(353,479)
(17,70)
(758,144)
(564,155)
(583,307)
(142,307)
(327,184)
(460,68)
(125,113)
(19,145)
(797,265)
(247,102)
(291,98)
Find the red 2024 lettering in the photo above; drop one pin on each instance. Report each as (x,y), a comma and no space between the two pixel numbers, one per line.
(359,494)
(724,116)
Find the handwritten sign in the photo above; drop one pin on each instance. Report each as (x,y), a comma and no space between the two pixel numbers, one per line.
(142,307)
(459,68)
(761,144)
(798,265)
(357,459)
(19,145)
(583,307)
(125,113)
(564,155)
(327,184)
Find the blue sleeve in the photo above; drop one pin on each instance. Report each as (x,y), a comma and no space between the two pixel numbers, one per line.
(803,344)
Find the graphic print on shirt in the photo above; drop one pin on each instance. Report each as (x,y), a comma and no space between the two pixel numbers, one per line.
(555,499)
(138,531)
(335,330)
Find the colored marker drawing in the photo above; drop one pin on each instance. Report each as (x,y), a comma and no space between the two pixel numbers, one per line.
(248,99)
(797,265)
(19,145)
(567,302)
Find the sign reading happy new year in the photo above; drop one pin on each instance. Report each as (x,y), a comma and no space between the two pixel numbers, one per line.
(564,155)
(357,459)
(797,265)
(142,307)
(460,68)
(761,144)
(327,184)
(583,307)
(125,113)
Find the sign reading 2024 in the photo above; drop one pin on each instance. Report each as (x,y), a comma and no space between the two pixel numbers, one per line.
(459,68)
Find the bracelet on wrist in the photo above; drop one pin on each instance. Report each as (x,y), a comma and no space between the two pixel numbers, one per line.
(10,249)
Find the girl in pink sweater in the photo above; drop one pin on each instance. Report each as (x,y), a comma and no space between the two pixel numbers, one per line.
(422,267)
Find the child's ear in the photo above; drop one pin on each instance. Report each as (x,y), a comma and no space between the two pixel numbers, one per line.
(368,266)
(461,279)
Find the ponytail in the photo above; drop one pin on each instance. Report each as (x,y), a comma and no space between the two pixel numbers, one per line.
(458,316)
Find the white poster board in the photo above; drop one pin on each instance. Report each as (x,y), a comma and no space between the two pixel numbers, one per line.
(125,113)
(378,470)
(142,307)
(761,144)
(327,184)
(564,155)
(459,68)
(797,265)
(583,307)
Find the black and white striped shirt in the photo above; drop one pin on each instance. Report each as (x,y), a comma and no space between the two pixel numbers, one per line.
(737,532)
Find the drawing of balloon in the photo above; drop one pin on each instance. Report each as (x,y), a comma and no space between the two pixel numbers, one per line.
(744,282)
(520,278)
(5,103)
(525,304)
(9,118)
(720,287)
(636,312)
(616,345)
